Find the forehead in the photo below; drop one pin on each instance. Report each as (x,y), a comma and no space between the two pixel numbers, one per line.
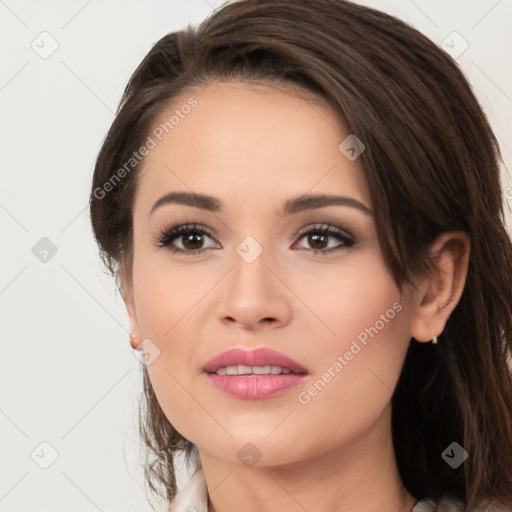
(255,141)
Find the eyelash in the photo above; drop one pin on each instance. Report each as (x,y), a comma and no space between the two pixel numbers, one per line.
(168,236)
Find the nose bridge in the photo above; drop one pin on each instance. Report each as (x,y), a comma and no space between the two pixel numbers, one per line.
(251,271)
(253,292)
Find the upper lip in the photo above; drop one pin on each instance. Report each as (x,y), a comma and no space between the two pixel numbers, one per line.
(256,357)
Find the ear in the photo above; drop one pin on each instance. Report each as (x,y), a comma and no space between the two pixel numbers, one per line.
(126,286)
(438,295)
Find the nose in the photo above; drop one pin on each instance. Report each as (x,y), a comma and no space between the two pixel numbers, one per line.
(255,296)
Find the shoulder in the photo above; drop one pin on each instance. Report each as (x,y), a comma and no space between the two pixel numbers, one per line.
(448,503)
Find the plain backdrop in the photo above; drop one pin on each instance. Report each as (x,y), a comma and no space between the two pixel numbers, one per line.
(70,383)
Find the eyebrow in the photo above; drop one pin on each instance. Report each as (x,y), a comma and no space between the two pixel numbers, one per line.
(290,207)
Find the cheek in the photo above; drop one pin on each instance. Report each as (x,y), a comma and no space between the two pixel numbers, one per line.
(166,300)
(361,359)
(165,297)
(356,300)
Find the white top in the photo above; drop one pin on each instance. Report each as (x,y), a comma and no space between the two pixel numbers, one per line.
(193,497)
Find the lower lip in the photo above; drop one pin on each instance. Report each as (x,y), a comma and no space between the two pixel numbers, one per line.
(255,387)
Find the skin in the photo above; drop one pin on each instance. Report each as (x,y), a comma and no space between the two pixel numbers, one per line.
(253,147)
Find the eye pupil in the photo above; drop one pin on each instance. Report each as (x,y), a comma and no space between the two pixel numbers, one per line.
(195,239)
(315,238)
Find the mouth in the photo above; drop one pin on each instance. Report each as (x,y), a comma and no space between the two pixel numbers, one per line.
(260,361)
(254,374)
(253,371)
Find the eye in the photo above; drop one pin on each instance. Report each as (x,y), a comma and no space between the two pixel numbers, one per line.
(190,236)
(191,239)
(319,235)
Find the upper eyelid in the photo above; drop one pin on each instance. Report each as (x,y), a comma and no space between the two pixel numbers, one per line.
(319,226)
(330,229)
(325,226)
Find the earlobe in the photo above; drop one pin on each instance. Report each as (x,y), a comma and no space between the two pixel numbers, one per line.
(439,294)
(136,343)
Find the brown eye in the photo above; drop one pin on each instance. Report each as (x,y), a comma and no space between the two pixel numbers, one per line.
(318,238)
(190,237)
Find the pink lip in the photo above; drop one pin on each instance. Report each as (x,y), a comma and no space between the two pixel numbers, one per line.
(254,386)
(256,357)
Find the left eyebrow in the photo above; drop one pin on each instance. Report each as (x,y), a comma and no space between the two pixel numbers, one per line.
(307,202)
(290,207)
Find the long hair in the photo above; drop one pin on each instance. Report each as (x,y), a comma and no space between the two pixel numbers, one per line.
(432,165)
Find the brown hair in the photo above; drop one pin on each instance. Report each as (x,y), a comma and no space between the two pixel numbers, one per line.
(432,165)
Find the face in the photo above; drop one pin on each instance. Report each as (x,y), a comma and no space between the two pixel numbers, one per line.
(308,281)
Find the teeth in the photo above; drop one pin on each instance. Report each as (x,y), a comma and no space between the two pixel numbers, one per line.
(251,370)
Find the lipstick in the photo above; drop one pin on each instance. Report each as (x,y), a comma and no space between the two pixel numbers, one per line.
(254,374)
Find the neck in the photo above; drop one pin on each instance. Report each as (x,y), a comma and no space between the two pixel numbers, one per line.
(361,475)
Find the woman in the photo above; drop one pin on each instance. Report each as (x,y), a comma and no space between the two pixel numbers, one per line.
(301,204)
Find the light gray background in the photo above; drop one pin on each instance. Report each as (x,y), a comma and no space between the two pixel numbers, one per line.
(68,374)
